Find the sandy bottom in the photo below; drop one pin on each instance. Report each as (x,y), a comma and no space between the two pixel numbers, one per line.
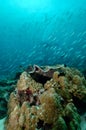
(2,124)
(83,122)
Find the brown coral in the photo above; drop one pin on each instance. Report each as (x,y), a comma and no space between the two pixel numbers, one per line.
(47,105)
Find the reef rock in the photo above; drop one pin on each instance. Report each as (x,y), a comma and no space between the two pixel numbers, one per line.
(48,105)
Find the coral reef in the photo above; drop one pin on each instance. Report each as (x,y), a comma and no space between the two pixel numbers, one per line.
(6,87)
(47,105)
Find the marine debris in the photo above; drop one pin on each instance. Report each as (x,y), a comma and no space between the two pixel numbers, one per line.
(45,98)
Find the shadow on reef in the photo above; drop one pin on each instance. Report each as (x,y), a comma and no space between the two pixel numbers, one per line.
(81,106)
(48,103)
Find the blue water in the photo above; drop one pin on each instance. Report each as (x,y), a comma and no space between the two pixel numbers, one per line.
(42,32)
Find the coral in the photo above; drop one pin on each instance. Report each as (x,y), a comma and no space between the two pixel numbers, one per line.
(26,82)
(42,74)
(51,105)
(14,119)
(70,112)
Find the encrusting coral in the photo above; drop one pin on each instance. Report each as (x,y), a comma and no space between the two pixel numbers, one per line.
(49,104)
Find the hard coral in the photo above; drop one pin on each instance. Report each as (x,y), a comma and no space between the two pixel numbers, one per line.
(42,74)
(49,105)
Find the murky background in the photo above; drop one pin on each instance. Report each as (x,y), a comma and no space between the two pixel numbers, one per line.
(45,32)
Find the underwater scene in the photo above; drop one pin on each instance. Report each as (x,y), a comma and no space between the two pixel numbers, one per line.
(42,65)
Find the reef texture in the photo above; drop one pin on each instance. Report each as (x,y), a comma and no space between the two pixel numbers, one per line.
(6,87)
(50,103)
